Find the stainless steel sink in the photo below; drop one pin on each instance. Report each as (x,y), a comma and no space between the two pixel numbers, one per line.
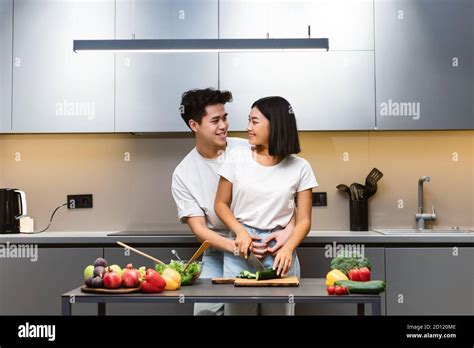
(423,232)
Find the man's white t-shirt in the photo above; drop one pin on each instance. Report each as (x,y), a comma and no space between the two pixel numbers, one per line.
(263,197)
(195,181)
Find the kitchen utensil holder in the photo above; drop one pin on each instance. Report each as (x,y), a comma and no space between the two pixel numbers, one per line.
(359,215)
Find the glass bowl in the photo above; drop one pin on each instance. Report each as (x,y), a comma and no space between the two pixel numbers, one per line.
(185,280)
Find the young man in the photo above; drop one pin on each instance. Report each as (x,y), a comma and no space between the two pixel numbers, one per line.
(195,181)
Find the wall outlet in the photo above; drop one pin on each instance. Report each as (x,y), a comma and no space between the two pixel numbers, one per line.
(79,201)
(320,199)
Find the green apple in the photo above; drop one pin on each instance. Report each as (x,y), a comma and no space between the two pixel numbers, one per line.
(117,269)
(88,271)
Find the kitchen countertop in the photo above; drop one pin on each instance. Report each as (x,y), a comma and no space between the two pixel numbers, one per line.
(310,290)
(179,238)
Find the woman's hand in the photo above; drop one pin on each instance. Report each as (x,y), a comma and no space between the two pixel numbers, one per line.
(283,261)
(243,242)
(259,248)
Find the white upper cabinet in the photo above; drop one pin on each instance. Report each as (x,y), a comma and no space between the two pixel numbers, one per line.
(55,89)
(6,32)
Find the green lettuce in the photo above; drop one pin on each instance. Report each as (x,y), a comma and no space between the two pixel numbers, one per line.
(193,270)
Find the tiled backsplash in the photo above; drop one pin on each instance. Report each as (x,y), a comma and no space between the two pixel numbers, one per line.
(130,176)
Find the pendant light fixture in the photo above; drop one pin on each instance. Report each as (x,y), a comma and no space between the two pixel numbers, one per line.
(203,45)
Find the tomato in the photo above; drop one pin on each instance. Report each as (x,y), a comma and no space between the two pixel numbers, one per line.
(364,274)
(341,290)
(331,289)
(354,274)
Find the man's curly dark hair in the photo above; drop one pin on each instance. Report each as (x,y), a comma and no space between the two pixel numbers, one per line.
(194,102)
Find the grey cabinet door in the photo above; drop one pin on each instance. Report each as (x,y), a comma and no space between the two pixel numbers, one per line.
(166,19)
(347,23)
(149,85)
(315,262)
(55,89)
(327,90)
(149,88)
(118,256)
(430,281)
(34,285)
(6,37)
(424,64)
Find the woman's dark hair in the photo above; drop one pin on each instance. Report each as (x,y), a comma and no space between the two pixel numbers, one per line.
(283,140)
(194,102)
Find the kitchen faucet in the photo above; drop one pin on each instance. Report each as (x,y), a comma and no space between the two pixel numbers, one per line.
(421,217)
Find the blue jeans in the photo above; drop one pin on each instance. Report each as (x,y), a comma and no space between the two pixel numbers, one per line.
(213,265)
(233,265)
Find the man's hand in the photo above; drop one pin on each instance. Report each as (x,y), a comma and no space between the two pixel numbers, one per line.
(280,237)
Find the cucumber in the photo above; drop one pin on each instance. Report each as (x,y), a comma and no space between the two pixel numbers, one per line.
(246,275)
(370,287)
(267,273)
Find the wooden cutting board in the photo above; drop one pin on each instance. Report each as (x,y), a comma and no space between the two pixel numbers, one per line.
(223,280)
(287,281)
(88,290)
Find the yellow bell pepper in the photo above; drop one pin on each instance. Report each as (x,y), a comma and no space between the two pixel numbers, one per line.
(172,279)
(335,275)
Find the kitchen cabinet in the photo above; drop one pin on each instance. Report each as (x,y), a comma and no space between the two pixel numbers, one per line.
(32,287)
(328,90)
(347,23)
(424,64)
(149,88)
(166,19)
(55,89)
(6,37)
(430,281)
(149,85)
(316,263)
(120,257)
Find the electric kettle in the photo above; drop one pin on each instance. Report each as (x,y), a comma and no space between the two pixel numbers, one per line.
(12,208)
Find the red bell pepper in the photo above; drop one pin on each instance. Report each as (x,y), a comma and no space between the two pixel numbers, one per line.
(153,282)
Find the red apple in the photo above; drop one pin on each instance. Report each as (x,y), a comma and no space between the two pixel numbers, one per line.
(112,280)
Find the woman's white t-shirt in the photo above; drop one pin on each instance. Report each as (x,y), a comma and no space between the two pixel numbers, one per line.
(264,196)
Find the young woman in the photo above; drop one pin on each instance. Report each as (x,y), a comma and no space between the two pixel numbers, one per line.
(258,186)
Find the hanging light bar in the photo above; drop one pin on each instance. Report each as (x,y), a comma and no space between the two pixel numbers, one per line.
(203,45)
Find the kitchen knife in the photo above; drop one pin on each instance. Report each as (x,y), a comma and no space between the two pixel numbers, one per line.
(253,261)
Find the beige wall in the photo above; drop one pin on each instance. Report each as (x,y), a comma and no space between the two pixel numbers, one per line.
(136,194)
(403,157)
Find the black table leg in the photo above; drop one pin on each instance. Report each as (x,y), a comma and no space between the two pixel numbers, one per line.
(377,307)
(101,309)
(360,309)
(65,306)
